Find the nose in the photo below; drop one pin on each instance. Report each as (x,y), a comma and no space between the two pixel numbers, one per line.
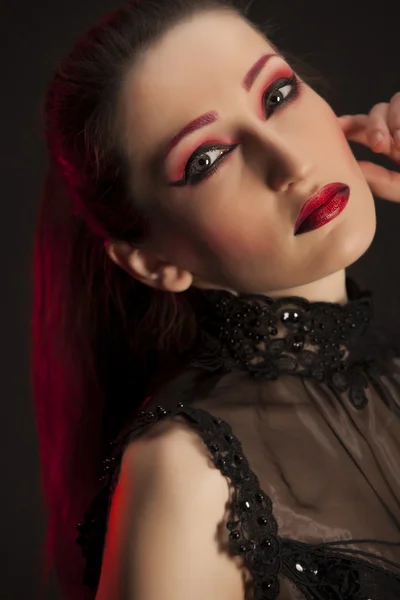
(282,158)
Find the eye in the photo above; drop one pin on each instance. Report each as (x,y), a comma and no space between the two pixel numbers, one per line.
(280,93)
(206,160)
(203,161)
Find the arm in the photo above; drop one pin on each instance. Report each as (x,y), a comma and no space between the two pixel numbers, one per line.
(167,522)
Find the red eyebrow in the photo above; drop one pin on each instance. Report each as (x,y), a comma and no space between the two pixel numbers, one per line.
(212,116)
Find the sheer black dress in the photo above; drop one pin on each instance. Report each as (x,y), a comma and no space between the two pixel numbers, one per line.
(298,404)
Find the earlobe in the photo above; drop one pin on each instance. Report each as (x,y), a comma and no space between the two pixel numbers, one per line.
(174,279)
(145,266)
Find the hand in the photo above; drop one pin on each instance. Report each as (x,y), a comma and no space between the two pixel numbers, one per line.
(379,131)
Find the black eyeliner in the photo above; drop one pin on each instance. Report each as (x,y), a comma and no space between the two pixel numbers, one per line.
(279,83)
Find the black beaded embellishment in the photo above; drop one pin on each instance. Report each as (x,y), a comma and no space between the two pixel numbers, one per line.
(252,527)
(320,340)
(319,571)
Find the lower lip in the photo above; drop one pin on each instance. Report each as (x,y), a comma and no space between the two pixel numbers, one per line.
(325,213)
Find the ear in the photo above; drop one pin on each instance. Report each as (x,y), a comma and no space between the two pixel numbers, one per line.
(148,268)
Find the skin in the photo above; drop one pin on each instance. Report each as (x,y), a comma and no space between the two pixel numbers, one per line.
(235,229)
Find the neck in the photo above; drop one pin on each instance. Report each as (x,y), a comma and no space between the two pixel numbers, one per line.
(290,335)
(331,288)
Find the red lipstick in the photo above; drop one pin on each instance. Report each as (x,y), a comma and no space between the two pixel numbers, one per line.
(321,208)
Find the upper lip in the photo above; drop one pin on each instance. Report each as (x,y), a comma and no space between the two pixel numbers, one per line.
(321,197)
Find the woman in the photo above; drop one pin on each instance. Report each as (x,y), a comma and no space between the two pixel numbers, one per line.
(194,273)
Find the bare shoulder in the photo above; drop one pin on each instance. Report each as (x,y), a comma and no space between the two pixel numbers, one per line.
(172,448)
(167,536)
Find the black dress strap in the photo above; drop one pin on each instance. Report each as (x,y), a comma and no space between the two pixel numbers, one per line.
(328,571)
(253,529)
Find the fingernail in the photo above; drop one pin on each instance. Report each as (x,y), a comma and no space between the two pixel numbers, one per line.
(396,137)
(376,138)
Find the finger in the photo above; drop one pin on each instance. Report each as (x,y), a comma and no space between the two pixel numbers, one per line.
(358,128)
(378,129)
(353,123)
(355,128)
(383,182)
(393,119)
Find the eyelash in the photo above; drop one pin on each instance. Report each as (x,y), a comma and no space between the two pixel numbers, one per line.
(276,86)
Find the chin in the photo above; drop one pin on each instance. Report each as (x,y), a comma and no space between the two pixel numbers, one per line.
(354,241)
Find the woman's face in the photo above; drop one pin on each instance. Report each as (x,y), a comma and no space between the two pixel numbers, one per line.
(234,229)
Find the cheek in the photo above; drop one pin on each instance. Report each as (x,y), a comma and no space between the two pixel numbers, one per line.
(333,140)
(235,239)
(224,239)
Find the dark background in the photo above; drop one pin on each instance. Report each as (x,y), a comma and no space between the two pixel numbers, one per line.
(355,44)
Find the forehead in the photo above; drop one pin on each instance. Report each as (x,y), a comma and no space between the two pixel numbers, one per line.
(195,67)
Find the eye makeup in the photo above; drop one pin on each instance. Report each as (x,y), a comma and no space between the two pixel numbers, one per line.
(277,95)
(212,116)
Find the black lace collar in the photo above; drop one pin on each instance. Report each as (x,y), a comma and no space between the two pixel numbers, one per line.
(327,341)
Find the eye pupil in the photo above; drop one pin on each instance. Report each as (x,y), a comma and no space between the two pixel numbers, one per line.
(277,97)
(203,162)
